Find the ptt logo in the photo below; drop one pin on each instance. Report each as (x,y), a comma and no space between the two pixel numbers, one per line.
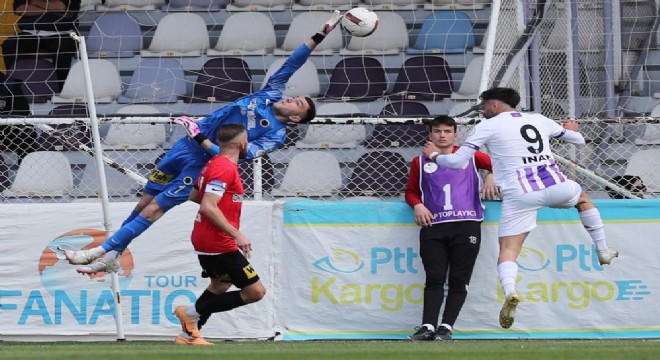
(531,259)
(340,261)
(399,260)
(566,258)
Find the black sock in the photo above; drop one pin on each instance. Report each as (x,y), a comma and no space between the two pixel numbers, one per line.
(206,297)
(219,303)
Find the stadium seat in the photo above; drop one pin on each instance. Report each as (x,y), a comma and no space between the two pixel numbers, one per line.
(114,35)
(156,80)
(194,5)
(304,82)
(249,33)
(390,37)
(307,23)
(69,134)
(423,78)
(129,5)
(134,136)
(461,107)
(651,135)
(469,88)
(223,79)
(324,5)
(292,135)
(106,83)
(358,78)
(31,182)
(177,35)
(332,137)
(118,184)
(259,5)
(646,165)
(408,108)
(395,5)
(339,108)
(378,173)
(246,171)
(397,136)
(89,5)
(311,173)
(444,32)
(38,78)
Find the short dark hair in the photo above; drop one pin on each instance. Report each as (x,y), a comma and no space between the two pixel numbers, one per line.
(627,182)
(311,112)
(229,132)
(442,119)
(506,95)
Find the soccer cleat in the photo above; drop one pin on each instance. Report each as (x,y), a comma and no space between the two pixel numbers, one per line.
(99,265)
(443,333)
(605,256)
(509,310)
(181,340)
(78,257)
(423,333)
(188,324)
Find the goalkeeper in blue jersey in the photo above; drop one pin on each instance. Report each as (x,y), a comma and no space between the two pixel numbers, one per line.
(264,114)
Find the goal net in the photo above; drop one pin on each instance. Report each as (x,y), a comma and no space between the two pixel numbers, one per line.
(152,60)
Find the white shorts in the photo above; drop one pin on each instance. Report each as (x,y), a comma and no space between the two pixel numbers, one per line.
(519,209)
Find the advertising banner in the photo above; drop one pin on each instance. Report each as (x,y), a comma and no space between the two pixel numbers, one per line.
(353,271)
(42,295)
(332,270)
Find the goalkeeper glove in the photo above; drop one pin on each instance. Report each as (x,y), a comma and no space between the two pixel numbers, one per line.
(327,27)
(191,127)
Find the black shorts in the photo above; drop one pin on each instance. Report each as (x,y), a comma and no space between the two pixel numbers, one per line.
(230,267)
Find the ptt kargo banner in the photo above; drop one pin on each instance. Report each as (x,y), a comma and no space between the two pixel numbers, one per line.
(354,271)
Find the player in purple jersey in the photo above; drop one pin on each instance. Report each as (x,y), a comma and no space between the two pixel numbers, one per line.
(263,114)
(447,205)
(529,179)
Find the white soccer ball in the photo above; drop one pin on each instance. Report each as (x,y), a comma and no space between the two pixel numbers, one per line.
(359,22)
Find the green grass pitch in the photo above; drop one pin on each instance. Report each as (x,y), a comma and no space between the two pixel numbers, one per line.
(636,349)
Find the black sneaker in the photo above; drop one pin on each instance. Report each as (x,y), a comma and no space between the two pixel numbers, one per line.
(443,333)
(423,333)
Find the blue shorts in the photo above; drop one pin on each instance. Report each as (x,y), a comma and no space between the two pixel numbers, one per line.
(172,180)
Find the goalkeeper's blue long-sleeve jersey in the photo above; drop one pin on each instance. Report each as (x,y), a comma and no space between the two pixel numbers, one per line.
(255,112)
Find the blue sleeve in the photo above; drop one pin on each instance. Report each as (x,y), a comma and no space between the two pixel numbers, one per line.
(279,79)
(266,143)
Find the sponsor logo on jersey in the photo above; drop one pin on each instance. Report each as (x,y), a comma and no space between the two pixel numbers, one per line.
(430,167)
(516,114)
(159,177)
(249,271)
(264,123)
(251,116)
(535,158)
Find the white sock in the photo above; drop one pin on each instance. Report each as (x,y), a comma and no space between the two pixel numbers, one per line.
(112,255)
(191,311)
(508,271)
(446,326)
(97,251)
(593,223)
(429,326)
